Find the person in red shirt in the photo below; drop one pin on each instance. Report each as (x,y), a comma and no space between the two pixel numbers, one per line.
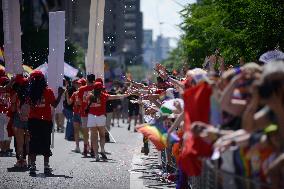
(4,119)
(83,93)
(74,99)
(20,110)
(96,110)
(41,100)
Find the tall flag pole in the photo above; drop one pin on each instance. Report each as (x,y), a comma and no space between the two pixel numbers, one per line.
(12,36)
(95,53)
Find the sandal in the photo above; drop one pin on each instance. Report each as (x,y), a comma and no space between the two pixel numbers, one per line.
(47,170)
(24,163)
(32,170)
(104,157)
(18,164)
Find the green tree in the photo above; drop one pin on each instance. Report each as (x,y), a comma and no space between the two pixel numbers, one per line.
(245,28)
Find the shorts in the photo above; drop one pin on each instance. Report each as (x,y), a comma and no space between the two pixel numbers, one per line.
(40,137)
(84,121)
(77,118)
(96,121)
(4,119)
(133,111)
(18,123)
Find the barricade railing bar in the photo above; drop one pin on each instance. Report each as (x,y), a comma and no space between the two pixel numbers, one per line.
(212,177)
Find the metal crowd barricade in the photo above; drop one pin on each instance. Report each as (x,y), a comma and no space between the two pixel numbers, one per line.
(214,178)
(168,161)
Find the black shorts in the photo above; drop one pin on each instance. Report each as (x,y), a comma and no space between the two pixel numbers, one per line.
(133,111)
(40,137)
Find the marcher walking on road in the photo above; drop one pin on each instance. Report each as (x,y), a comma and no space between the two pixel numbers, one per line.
(40,124)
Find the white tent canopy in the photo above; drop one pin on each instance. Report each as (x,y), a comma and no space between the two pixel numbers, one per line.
(69,71)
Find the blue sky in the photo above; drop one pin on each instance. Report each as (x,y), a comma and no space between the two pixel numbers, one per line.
(163,11)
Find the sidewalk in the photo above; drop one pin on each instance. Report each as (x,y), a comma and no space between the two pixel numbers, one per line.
(145,172)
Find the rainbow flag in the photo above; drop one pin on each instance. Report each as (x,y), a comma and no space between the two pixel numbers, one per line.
(154,135)
(242,162)
(157,134)
(1,55)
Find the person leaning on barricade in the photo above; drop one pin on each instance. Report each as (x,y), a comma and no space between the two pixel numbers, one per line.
(262,106)
(269,92)
(195,82)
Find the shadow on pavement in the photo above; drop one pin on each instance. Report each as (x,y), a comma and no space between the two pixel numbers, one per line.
(17,169)
(8,155)
(42,175)
(104,161)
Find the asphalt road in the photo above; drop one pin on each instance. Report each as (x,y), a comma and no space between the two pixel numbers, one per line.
(71,170)
(124,169)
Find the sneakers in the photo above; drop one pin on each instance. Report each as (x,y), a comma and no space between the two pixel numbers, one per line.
(77,150)
(97,157)
(85,153)
(47,170)
(32,170)
(60,129)
(146,151)
(104,157)
(107,137)
(92,154)
(21,163)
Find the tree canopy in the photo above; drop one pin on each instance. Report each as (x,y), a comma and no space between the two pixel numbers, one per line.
(240,28)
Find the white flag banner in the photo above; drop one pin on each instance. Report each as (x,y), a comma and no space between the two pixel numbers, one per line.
(56,52)
(12,36)
(95,53)
(69,71)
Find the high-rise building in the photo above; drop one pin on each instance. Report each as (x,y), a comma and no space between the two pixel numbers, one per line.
(162,48)
(113,27)
(133,26)
(148,48)
(77,21)
(123,33)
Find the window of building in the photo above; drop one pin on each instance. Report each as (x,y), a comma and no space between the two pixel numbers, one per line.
(130,24)
(130,16)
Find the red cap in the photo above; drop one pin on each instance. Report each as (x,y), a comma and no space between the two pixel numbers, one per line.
(98,85)
(20,79)
(82,81)
(3,80)
(99,80)
(36,73)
